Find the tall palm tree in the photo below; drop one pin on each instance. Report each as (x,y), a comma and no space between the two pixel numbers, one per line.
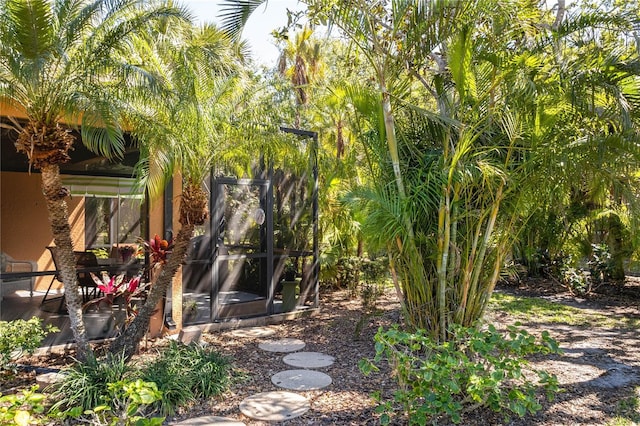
(63,63)
(184,134)
(300,63)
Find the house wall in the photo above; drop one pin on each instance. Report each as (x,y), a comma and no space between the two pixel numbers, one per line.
(176,287)
(24,224)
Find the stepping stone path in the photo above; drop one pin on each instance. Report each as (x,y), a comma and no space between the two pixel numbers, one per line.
(282,345)
(301,380)
(279,406)
(275,406)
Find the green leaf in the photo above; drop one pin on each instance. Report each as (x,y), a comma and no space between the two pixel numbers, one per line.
(22,418)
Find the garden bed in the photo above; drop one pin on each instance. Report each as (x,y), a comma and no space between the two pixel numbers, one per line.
(598,371)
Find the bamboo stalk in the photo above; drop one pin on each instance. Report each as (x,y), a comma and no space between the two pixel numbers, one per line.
(444,237)
(481,254)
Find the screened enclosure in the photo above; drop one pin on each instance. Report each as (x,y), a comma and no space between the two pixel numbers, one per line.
(258,255)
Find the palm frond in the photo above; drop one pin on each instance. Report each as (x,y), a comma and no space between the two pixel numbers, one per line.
(234,14)
(30,22)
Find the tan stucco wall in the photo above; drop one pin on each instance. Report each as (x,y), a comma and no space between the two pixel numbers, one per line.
(176,288)
(24,225)
(156,212)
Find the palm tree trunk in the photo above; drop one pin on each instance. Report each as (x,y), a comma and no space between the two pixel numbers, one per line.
(55,195)
(127,343)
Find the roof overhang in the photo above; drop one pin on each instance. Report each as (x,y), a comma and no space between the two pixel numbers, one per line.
(83,161)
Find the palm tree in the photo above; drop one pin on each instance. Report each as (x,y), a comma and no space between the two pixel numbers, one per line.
(60,65)
(185,134)
(587,113)
(300,63)
(459,135)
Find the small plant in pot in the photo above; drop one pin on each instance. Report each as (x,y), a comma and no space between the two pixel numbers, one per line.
(190,310)
(290,270)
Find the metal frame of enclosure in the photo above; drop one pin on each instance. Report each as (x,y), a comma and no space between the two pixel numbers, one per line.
(237,267)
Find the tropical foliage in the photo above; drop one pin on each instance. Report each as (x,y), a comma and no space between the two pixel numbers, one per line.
(181,131)
(66,64)
(462,125)
(455,137)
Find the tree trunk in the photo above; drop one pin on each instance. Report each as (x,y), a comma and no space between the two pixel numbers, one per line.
(55,195)
(339,139)
(127,343)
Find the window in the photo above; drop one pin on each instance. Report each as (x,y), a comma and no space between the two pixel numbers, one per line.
(110,221)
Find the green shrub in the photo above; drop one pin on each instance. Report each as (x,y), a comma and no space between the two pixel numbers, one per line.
(175,386)
(86,385)
(184,373)
(479,368)
(210,372)
(374,270)
(19,337)
(125,404)
(576,280)
(348,274)
(180,373)
(374,273)
(601,264)
(23,408)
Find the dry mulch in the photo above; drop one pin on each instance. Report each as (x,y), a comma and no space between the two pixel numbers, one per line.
(339,329)
(600,367)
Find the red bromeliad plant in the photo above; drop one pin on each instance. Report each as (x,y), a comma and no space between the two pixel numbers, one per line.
(158,248)
(117,290)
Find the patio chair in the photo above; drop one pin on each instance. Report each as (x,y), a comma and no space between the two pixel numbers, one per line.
(84,259)
(9,264)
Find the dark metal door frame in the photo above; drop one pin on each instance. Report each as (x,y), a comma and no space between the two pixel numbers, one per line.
(217,202)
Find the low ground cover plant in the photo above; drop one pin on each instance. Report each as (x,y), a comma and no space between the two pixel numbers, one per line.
(477,368)
(126,405)
(24,408)
(108,387)
(185,373)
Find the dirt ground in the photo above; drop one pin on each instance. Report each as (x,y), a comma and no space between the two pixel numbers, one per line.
(598,372)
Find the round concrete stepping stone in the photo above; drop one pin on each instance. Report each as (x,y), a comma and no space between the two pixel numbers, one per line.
(308,360)
(253,332)
(209,421)
(282,345)
(301,380)
(275,406)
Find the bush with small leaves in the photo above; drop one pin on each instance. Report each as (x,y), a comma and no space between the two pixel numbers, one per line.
(21,337)
(479,368)
(348,274)
(23,408)
(126,404)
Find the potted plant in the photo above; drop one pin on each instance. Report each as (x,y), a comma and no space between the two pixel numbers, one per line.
(290,270)
(116,307)
(189,310)
(289,284)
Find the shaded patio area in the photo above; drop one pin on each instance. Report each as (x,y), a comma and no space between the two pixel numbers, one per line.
(20,305)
